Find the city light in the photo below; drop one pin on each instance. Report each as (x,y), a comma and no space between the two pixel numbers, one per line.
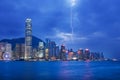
(74,58)
(86,49)
(6,56)
(48,50)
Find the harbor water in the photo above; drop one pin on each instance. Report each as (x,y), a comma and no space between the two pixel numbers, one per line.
(59,70)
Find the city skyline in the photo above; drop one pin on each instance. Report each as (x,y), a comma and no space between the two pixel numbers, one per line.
(95,23)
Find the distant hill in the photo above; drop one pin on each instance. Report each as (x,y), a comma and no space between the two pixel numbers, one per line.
(35,41)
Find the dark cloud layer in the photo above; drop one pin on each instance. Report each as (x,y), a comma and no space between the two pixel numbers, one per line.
(96,23)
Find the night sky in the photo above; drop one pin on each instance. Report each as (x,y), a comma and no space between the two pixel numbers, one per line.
(93,24)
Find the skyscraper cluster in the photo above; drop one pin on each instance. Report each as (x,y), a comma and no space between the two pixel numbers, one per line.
(5,51)
(47,50)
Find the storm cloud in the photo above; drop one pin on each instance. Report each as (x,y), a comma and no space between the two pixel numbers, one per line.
(96,23)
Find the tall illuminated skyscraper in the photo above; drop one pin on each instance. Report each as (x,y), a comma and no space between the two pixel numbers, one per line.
(28,39)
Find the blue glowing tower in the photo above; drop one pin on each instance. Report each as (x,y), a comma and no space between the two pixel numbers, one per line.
(28,39)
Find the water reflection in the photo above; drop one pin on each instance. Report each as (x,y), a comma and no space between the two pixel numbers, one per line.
(68,70)
(65,71)
(88,75)
(80,71)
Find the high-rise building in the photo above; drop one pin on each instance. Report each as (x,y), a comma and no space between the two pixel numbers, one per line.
(87,54)
(57,52)
(22,51)
(101,56)
(70,54)
(2,50)
(34,53)
(46,53)
(92,55)
(19,51)
(40,53)
(63,53)
(47,49)
(80,54)
(7,55)
(28,39)
(52,49)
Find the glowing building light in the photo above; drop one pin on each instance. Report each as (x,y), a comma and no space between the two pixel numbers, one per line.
(28,39)
(46,50)
(86,49)
(6,56)
(78,52)
(74,58)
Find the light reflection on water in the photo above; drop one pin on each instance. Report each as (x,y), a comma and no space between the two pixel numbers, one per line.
(67,70)
(88,72)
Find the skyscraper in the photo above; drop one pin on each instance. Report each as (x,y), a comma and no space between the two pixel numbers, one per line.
(57,52)
(2,50)
(52,49)
(19,51)
(40,53)
(63,53)
(47,49)
(80,54)
(8,52)
(87,54)
(28,39)
(70,54)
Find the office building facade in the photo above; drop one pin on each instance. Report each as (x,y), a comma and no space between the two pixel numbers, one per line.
(28,39)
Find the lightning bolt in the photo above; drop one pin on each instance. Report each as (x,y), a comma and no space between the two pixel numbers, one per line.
(73,3)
